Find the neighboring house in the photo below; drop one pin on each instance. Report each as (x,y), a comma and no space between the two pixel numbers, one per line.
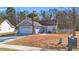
(6,26)
(48,26)
(45,26)
(25,26)
(65,25)
(52,26)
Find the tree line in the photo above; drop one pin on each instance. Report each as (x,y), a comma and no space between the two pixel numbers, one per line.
(63,16)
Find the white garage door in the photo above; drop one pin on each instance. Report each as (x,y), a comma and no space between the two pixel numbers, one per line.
(25,30)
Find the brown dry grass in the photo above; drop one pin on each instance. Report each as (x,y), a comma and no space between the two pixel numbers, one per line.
(41,40)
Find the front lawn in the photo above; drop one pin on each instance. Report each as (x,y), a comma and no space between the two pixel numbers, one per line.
(7,33)
(6,49)
(42,40)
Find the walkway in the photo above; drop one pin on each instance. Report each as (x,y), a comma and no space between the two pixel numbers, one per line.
(23,48)
(18,47)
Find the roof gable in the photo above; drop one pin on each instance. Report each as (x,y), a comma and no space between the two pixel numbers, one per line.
(48,22)
(28,22)
(7,22)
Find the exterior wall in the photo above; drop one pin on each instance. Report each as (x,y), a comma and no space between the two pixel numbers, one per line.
(28,29)
(37,29)
(12,29)
(66,30)
(25,30)
(51,28)
(5,27)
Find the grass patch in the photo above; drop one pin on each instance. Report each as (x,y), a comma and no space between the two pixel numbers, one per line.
(44,41)
(7,49)
(7,33)
(47,41)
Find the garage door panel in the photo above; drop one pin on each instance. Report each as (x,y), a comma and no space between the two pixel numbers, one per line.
(25,30)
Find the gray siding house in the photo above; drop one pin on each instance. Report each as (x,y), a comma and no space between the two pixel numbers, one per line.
(48,26)
(25,26)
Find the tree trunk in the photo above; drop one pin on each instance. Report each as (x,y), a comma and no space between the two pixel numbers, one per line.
(33,27)
(74,20)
